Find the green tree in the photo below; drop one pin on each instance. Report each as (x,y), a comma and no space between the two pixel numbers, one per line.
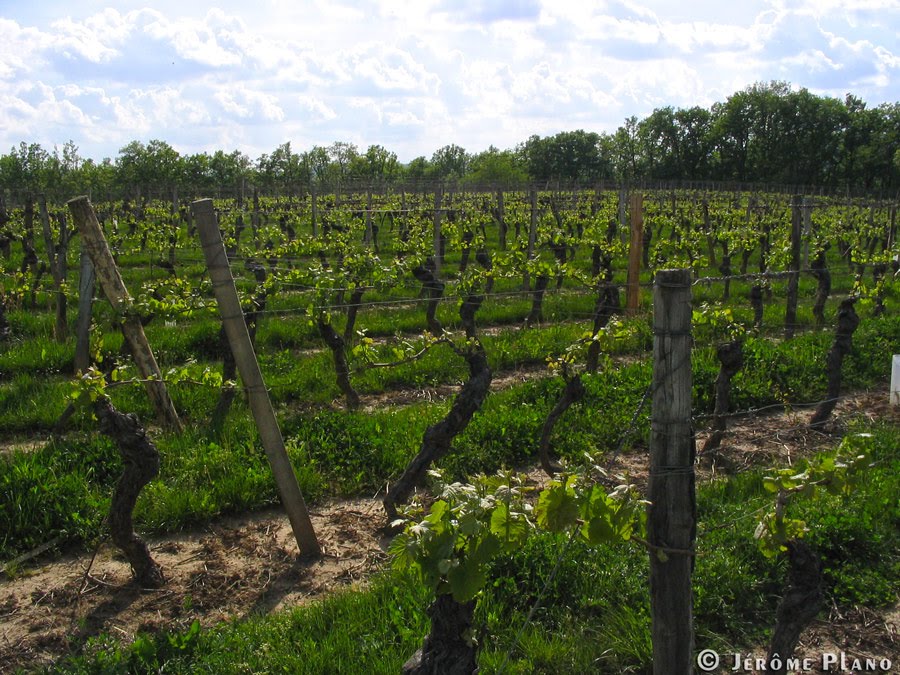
(493,166)
(24,168)
(341,155)
(448,163)
(624,150)
(569,156)
(417,170)
(154,167)
(377,164)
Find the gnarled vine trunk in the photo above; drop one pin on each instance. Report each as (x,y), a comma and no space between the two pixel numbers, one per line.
(608,303)
(572,393)
(446,650)
(4,323)
(823,289)
(438,437)
(141,464)
(731,360)
(800,604)
(847,323)
(336,344)
(536,315)
(434,288)
(756,301)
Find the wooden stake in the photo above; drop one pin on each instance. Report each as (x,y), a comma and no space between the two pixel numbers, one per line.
(85,304)
(248,368)
(532,235)
(57,259)
(437,231)
(369,232)
(790,316)
(94,242)
(671,525)
(315,215)
(633,288)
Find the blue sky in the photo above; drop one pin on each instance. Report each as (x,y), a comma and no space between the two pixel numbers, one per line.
(412,76)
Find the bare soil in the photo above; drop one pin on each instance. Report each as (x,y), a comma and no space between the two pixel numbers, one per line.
(233,568)
(248,564)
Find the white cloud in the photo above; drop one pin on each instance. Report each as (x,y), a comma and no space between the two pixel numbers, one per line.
(414,77)
(206,41)
(20,48)
(321,112)
(389,68)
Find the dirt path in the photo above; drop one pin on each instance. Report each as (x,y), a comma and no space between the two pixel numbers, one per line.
(247,564)
(232,568)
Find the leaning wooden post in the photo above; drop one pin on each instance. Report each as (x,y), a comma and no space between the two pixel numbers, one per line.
(248,368)
(671,525)
(790,316)
(633,288)
(94,242)
(85,306)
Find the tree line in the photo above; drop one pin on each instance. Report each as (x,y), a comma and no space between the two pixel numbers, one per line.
(766,133)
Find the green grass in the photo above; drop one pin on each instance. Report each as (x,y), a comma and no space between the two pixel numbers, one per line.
(594,614)
(343,453)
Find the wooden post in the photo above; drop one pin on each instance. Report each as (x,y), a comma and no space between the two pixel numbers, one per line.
(369,232)
(248,368)
(173,235)
(315,214)
(671,525)
(255,219)
(807,229)
(57,259)
(438,195)
(633,287)
(93,241)
(85,305)
(790,316)
(501,221)
(532,235)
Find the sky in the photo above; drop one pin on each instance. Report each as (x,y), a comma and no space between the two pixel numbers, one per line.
(412,76)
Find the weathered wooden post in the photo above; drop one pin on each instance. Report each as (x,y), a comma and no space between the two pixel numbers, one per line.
(532,234)
(370,233)
(94,242)
(807,228)
(85,306)
(790,316)
(248,368)
(315,214)
(58,269)
(438,196)
(632,283)
(501,220)
(621,212)
(671,525)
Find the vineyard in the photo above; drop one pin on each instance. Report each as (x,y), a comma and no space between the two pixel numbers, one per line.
(525,430)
